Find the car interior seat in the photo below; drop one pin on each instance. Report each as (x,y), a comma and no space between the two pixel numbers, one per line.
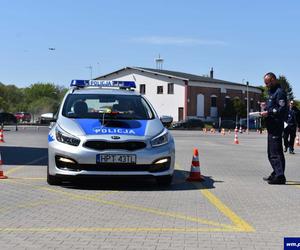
(80,108)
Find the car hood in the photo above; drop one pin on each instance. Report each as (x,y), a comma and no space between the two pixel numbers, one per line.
(123,128)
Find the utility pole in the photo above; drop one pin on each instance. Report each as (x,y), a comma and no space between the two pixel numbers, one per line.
(247,107)
(91,71)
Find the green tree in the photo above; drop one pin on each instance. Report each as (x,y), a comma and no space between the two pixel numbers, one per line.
(38,90)
(234,108)
(285,84)
(3,104)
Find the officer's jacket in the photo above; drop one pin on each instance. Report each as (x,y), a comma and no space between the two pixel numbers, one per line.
(292,117)
(277,110)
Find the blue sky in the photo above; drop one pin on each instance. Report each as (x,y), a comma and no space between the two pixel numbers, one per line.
(240,39)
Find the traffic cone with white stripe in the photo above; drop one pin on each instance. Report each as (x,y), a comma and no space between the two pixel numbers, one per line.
(297,141)
(195,174)
(241,129)
(236,139)
(2,176)
(1,135)
(236,129)
(223,131)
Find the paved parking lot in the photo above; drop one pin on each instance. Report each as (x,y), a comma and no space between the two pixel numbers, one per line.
(232,209)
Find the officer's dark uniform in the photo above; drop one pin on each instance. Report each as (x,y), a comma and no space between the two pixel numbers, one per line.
(290,130)
(277,111)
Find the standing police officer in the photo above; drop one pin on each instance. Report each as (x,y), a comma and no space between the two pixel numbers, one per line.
(275,114)
(291,128)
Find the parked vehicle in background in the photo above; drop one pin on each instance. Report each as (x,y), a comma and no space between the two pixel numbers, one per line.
(190,123)
(228,124)
(166,120)
(23,117)
(254,123)
(46,118)
(7,119)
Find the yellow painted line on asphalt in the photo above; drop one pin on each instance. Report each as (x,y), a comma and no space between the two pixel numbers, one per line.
(31,178)
(134,207)
(43,188)
(238,221)
(13,170)
(143,209)
(293,183)
(110,230)
(240,224)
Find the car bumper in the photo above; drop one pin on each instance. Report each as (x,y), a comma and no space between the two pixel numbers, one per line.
(85,161)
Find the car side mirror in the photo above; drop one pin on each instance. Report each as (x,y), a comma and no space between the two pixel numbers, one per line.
(166,120)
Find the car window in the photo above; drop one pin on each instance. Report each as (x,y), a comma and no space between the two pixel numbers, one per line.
(109,106)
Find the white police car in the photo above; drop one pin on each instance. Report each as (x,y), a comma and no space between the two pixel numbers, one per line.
(105,128)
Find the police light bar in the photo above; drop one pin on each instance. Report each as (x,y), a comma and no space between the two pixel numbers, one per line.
(98,83)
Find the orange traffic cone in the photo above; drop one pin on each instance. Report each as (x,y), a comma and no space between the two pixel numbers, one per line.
(236,129)
(297,141)
(241,130)
(1,135)
(195,174)
(2,176)
(236,139)
(223,131)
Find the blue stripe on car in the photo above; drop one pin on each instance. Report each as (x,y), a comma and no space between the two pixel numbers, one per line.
(50,138)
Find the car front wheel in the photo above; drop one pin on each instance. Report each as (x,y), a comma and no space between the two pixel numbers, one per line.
(52,180)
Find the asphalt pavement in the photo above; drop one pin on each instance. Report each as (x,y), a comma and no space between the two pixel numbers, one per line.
(232,209)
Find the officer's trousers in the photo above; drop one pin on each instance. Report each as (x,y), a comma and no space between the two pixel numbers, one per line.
(289,136)
(275,154)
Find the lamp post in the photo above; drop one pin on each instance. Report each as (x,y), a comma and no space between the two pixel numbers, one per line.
(247,107)
(91,71)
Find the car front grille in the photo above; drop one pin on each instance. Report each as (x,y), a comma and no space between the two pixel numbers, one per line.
(112,167)
(105,145)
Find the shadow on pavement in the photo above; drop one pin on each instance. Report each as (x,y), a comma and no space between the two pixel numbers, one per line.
(24,156)
(142,183)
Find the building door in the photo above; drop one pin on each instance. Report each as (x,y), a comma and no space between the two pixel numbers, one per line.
(180,114)
(200,105)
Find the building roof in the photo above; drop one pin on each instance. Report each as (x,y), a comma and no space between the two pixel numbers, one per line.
(179,75)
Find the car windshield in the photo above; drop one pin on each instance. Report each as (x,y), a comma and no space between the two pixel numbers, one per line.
(105,106)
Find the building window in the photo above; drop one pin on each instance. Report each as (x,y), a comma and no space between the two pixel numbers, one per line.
(160,90)
(143,89)
(170,88)
(213,100)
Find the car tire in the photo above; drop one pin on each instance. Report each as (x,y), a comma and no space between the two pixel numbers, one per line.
(52,180)
(165,180)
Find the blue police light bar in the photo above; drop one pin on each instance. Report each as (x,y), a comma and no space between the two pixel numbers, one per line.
(98,83)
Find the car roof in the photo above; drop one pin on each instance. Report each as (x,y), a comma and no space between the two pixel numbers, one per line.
(106,91)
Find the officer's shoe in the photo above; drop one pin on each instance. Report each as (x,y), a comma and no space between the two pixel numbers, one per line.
(285,150)
(279,180)
(269,178)
(292,151)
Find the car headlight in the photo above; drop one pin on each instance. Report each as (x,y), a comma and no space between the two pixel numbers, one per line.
(66,138)
(161,139)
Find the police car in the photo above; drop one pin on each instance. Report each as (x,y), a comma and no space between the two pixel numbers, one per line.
(106,128)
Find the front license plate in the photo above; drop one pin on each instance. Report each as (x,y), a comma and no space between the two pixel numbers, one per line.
(115,158)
